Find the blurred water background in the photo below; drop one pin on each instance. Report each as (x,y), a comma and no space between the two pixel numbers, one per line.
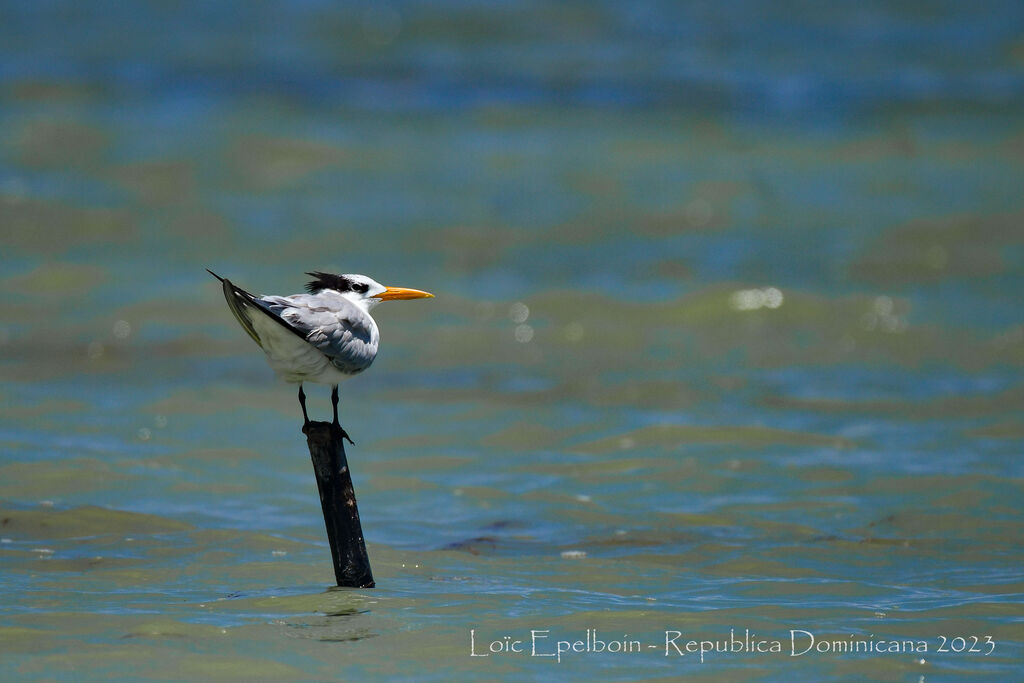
(728,333)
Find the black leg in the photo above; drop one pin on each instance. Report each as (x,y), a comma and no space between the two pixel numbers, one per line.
(302,402)
(334,402)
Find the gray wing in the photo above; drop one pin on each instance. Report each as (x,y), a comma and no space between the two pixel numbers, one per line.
(334,325)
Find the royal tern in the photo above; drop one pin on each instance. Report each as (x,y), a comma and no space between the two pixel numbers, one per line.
(325,336)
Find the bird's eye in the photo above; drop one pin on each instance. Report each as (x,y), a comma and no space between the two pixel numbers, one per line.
(360,288)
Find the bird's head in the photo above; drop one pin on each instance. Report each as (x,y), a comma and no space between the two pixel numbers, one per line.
(360,289)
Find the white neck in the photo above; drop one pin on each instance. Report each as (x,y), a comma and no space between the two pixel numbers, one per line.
(360,301)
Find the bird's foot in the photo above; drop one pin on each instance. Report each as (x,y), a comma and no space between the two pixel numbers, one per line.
(341,430)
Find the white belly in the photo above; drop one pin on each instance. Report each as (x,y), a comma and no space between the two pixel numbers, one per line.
(292,358)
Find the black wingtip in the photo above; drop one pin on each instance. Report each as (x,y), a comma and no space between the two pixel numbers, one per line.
(215,275)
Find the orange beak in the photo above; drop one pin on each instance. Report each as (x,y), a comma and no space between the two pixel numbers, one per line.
(403,293)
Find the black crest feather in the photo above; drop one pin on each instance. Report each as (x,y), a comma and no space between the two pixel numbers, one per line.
(328,281)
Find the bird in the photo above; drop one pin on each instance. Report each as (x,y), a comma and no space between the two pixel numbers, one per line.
(325,335)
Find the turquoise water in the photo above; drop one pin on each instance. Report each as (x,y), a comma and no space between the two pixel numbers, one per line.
(728,336)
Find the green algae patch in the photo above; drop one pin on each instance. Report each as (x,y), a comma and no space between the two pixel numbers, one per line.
(84,521)
(49,227)
(680,436)
(55,479)
(58,280)
(936,249)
